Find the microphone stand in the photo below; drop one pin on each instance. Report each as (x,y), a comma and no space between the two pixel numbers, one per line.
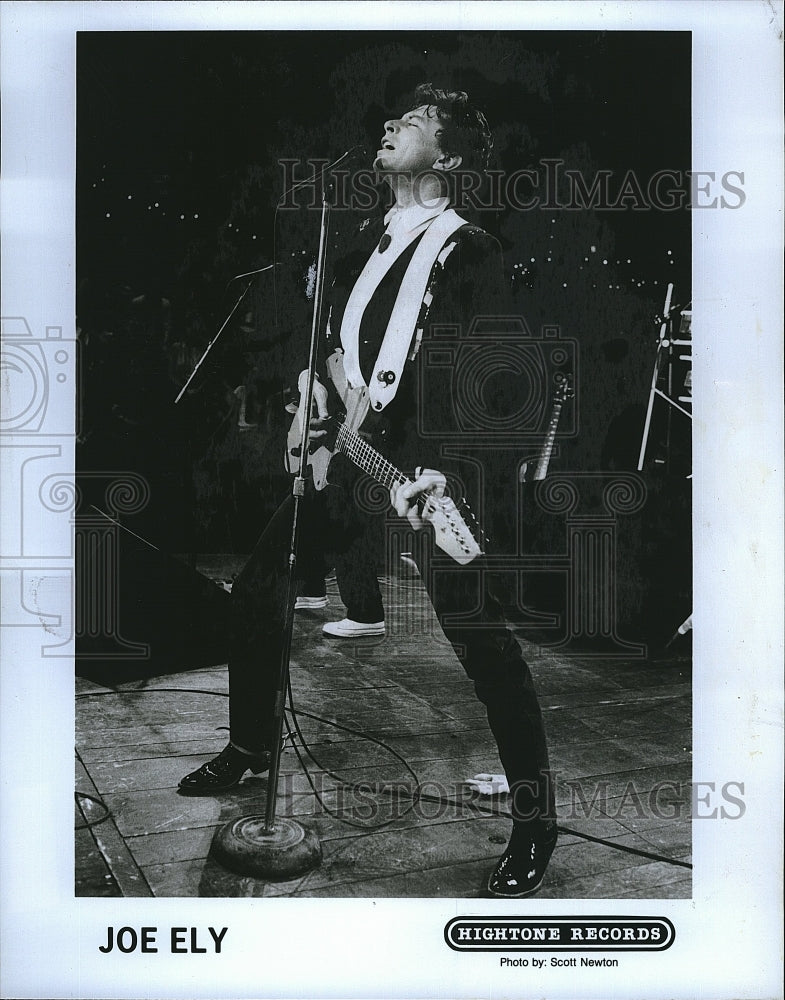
(298,492)
(255,845)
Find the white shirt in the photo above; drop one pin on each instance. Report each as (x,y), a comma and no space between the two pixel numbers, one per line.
(404,225)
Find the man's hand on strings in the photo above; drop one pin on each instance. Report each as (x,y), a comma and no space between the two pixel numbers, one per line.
(319,413)
(404,498)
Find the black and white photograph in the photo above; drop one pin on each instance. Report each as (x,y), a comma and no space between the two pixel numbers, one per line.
(459,687)
(394,555)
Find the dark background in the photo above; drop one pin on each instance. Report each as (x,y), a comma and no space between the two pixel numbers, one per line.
(179,135)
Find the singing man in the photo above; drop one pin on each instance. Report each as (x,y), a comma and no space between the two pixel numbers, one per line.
(406,279)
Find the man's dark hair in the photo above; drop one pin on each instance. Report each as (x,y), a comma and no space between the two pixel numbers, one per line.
(464,130)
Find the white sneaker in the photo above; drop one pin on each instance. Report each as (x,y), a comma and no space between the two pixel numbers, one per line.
(347,629)
(309,603)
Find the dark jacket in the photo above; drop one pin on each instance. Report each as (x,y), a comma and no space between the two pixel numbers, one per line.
(422,419)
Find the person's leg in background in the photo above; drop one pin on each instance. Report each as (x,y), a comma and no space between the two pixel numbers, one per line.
(356,573)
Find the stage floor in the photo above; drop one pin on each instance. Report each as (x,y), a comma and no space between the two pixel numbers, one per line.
(619,738)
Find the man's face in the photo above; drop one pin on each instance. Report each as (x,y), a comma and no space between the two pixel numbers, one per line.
(410,145)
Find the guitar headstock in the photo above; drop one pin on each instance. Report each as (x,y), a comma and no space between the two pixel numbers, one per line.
(451,532)
(564,388)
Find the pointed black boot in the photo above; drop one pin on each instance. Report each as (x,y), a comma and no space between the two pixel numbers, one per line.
(521,868)
(223,772)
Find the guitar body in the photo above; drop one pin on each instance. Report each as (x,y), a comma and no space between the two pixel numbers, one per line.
(451,531)
(318,455)
(353,408)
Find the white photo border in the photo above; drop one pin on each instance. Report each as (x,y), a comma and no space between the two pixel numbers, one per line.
(728,936)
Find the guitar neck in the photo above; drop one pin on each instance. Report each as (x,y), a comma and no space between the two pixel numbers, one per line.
(368,459)
(451,532)
(547,447)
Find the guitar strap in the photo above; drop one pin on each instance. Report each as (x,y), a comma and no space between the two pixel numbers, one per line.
(403,319)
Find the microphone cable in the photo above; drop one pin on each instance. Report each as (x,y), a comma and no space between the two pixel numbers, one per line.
(485,811)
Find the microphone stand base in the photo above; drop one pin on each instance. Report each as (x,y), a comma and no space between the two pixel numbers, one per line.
(246,846)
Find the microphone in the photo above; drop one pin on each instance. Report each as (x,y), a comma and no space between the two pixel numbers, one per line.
(356,152)
(350,154)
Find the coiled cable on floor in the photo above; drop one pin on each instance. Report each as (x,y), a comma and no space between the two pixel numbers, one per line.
(416,796)
(89,823)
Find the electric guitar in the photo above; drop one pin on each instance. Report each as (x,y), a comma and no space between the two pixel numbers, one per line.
(564,391)
(451,532)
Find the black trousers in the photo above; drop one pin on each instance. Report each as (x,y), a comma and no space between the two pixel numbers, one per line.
(469,612)
(353,561)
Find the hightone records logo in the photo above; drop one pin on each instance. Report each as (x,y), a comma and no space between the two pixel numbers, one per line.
(559,933)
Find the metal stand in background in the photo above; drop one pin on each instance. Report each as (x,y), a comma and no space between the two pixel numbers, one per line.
(256,845)
(674,351)
(671,382)
(224,325)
